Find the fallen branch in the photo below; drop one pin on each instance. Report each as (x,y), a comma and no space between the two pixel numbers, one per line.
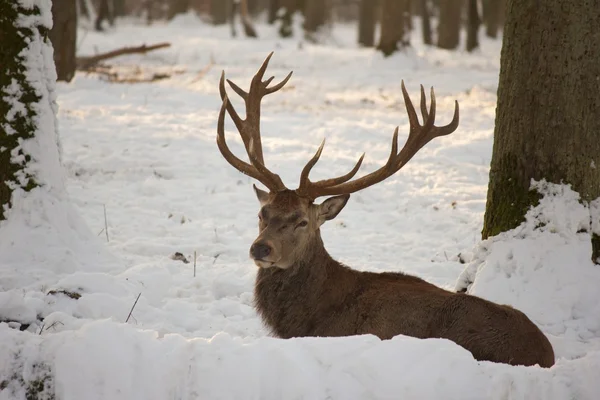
(131,311)
(84,63)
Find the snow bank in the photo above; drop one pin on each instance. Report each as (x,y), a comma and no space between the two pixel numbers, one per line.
(118,361)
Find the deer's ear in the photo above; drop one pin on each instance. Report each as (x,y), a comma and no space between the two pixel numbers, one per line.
(262,196)
(331,207)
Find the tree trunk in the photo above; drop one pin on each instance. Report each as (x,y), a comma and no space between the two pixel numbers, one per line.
(449,24)
(426,22)
(64,38)
(177,7)
(315,16)
(393,31)
(493,13)
(366,23)
(473,25)
(19,97)
(249,29)
(272,12)
(547,124)
(220,10)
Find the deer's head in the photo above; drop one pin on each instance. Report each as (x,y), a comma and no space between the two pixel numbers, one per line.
(289,220)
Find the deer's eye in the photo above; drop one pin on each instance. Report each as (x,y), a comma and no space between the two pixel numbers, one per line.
(302,224)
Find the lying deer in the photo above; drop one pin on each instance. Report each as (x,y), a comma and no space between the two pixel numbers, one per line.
(301,290)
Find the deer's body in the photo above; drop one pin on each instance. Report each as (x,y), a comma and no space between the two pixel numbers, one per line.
(322,297)
(301,291)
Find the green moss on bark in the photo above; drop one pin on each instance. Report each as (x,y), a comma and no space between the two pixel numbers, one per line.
(509,196)
(20,125)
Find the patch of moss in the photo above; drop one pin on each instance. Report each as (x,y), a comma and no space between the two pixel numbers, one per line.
(509,198)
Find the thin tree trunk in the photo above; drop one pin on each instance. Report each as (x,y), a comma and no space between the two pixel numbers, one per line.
(247,20)
(177,7)
(366,23)
(426,22)
(473,22)
(64,38)
(547,124)
(449,24)
(315,16)
(393,31)
(272,12)
(220,11)
(492,17)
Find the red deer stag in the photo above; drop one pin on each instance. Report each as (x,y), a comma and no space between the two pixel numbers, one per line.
(301,290)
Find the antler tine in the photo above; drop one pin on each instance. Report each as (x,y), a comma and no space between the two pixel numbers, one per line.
(424,112)
(304,180)
(238,164)
(343,178)
(249,128)
(419,136)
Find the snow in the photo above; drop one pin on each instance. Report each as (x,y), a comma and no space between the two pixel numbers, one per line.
(147,153)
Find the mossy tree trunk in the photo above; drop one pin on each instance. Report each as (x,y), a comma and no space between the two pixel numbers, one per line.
(449,24)
(547,117)
(17,107)
(394,32)
(64,38)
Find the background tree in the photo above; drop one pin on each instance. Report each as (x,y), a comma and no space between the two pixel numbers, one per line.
(449,24)
(473,23)
(366,22)
(426,21)
(64,38)
(315,16)
(493,14)
(394,33)
(273,8)
(220,10)
(547,124)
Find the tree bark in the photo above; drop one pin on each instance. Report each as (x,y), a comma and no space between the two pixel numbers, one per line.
(449,24)
(23,123)
(64,38)
(473,22)
(426,22)
(366,23)
(547,124)
(394,33)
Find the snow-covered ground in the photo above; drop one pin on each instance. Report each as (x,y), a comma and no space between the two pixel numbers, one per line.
(146,154)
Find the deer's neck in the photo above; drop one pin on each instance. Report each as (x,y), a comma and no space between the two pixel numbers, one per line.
(289,300)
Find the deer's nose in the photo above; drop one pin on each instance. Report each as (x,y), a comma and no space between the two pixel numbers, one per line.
(260,250)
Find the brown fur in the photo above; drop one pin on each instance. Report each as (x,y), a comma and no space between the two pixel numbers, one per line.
(302,291)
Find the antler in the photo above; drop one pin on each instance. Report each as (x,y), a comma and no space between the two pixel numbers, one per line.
(419,136)
(249,128)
